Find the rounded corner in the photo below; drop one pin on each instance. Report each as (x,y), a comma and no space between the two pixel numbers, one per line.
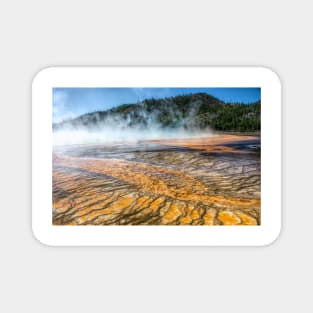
(39,75)
(272,74)
(36,236)
(273,237)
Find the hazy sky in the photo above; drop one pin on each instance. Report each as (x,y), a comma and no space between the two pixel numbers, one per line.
(71,102)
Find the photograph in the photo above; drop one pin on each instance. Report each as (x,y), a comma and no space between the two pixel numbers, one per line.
(156,156)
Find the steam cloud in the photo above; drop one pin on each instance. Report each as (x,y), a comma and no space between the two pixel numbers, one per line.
(134,126)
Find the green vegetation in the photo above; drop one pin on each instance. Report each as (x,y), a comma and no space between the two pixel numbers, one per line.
(194,111)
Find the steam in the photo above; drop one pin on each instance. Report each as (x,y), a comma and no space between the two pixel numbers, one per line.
(137,125)
(108,135)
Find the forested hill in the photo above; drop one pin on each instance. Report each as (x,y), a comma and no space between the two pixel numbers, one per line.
(194,111)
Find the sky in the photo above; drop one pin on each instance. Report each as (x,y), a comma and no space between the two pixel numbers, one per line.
(72,102)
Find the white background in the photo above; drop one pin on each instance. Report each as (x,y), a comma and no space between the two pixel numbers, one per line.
(37,34)
(270,86)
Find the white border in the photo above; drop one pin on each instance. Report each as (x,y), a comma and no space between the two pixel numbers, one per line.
(48,78)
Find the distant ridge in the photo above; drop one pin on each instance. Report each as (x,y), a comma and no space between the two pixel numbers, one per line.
(193,111)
